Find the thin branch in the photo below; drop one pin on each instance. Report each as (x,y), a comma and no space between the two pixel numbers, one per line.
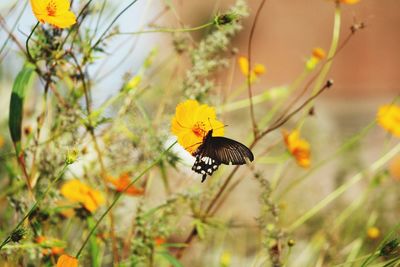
(249,72)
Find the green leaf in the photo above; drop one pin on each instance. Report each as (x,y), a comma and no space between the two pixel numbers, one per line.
(93,246)
(171,259)
(22,83)
(200,228)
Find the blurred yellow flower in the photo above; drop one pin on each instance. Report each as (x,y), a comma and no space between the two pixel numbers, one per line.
(258,69)
(226,259)
(192,122)
(77,191)
(1,141)
(373,232)
(67,261)
(54,12)
(349,2)
(122,182)
(389,118)
(299,148)
(394,168)
(318,54)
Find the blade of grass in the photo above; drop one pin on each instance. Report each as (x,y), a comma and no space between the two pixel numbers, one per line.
(22,84)
(339,191)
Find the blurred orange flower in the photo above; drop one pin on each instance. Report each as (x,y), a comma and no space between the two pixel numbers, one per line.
(299,148)
(318,54)
(57,250)
(349,2)
(77,191)
(122,182)
(389,118)
(67,261)
(54,12)
(40,239)
(159,241)
(191,123)
(258,69)
(394,168)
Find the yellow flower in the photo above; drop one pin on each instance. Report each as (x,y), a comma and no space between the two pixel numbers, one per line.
(389,118)
(226,259)
(258,69)
(54,12)
(67,261)
(192,122)
(299,148)
(77,191)
(349,2)
(373,232)
(318,54)
(1,141)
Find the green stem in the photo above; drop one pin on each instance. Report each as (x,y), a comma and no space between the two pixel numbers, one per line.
(111,24)
(118,196)
(32,209)
(347,145)
(16,23)
(168,30)
(332,50)
(27,42)
(339,191)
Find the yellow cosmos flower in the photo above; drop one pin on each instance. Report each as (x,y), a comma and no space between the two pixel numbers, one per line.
(192,122)
(349,2)
(77,191)
(54,12)
(373,232)
(67,261)
(258,69)
(389,118)
(299,148)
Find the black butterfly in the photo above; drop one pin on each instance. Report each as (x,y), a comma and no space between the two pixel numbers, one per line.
(218,150)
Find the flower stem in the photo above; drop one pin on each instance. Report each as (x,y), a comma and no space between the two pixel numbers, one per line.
(168,30)
(339,191)
(118,196)
(27,42)
(32,209)
(332,50)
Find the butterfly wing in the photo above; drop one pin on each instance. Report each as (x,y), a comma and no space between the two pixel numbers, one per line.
(228,151)
(215,151)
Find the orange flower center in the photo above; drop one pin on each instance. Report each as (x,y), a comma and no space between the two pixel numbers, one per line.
(199,129)
(51,9)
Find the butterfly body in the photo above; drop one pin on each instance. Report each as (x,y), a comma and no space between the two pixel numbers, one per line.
(217,150)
